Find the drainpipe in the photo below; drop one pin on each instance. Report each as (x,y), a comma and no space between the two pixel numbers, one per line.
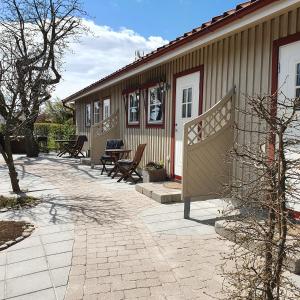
(73,111)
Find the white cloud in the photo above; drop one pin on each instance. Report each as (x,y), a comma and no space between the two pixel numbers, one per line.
(99,54)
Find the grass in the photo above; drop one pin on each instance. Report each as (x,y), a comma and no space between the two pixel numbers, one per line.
(13,202)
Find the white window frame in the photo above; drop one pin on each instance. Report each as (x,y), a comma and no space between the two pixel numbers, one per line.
(88,114)
(156,122)
(136,95)
(106,104)
(96,112)
(187,103)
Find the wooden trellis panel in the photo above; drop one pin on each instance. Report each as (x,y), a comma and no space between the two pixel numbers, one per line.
(207,140)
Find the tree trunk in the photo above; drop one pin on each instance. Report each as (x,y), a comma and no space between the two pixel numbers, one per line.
(32,147)
(8,157)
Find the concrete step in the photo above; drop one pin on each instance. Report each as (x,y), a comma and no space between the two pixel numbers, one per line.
(158,192)
(227,230)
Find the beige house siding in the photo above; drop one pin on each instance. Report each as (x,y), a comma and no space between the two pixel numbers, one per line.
(242,59)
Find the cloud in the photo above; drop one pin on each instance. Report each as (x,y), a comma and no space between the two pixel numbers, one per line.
(100,53)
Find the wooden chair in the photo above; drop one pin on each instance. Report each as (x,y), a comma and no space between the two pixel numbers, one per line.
(110,144)
(127,166)
(76,149)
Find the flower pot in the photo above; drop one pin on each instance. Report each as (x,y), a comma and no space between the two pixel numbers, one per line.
(154,175)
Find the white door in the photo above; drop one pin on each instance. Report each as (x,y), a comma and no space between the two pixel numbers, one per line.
(187,107)
(106,108)
(289,86)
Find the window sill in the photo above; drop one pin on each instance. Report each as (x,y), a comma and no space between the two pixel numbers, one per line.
(133,125)
(155,125)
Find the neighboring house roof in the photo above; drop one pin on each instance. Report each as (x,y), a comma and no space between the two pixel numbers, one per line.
(214,24)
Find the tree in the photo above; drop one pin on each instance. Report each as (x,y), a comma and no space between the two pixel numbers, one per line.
(56,112)
(34,37)
(263,196)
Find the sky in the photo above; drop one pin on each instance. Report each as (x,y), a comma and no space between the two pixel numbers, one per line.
(120,27)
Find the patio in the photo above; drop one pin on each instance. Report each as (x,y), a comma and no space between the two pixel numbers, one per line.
(97,239)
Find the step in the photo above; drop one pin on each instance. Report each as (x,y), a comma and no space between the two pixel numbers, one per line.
(158,192)
(227,231)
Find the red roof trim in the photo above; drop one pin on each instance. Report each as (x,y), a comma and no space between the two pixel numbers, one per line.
(217,22)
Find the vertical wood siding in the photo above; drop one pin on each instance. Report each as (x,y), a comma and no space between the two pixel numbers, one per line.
(242,59)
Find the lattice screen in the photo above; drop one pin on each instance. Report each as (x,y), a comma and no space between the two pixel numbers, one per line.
(107,124)
(210,123)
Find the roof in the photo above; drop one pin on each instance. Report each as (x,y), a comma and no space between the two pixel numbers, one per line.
(215,23)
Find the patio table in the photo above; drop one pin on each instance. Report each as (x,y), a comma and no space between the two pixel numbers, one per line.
(62,143)
(117,154)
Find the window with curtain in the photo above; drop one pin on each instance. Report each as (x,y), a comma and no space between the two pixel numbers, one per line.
(88,115)
(133,108)
(97,111)
(155,106)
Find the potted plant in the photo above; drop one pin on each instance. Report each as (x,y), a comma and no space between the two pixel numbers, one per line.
(154,172)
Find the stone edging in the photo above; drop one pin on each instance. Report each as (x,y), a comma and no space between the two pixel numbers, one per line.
(26,233)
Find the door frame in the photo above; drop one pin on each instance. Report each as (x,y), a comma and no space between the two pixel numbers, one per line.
(274,87)
(201,84)
(289,39)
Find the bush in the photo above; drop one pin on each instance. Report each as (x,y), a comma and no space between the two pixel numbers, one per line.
(54,132)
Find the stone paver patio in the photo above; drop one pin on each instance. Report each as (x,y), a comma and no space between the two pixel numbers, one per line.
(98,239)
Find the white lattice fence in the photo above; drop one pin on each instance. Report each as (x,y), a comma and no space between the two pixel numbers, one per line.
(207,140)
(100,133)
(107,124)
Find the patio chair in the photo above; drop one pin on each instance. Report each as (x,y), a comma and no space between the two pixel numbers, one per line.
(76,149)
(110,144)
(127,166)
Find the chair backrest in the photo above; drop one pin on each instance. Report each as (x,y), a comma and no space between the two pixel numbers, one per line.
(139,154)
(81,139)
(114,144)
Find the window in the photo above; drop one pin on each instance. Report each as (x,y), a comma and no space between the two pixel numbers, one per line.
(155,106)
(187,99)
(88,115)
(133,108)
(106,108)
(96,112)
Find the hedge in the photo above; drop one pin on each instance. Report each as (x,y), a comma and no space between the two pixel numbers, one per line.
(54,132)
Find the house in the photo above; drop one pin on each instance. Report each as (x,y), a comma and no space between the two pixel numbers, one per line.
(179,99)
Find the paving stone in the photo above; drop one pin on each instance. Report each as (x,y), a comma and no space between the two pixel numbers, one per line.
(1,290)
(28,284)
(121,285)
(47,294)
(136,293)
(59,247)
(60,292)
(107,226)
(26,267)
(60,276)
(2,258)
(25,254)
(58,237)
(59,260)
(74,292)
(27,243)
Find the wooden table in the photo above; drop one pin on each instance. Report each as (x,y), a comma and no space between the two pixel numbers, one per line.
(62,143)
(117,154)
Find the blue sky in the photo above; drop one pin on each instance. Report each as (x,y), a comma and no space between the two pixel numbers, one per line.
(166,18)
(120,27)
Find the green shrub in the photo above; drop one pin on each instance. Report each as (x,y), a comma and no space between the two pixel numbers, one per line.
(54,132)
